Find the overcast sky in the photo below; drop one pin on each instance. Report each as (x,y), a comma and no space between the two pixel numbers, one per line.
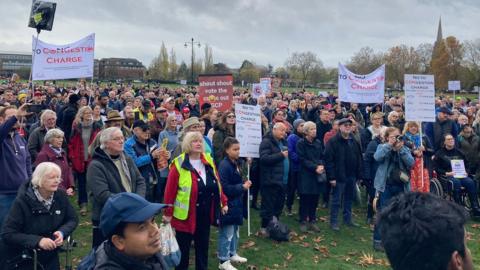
(263,31)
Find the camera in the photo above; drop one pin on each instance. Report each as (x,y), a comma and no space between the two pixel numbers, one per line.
(400,138)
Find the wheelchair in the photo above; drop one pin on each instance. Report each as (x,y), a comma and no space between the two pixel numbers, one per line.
(28,259)
(443,188)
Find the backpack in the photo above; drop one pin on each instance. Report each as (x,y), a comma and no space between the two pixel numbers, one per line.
(88,262)
(277,230)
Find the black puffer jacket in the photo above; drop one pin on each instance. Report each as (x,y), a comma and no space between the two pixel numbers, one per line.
(29,221)
(310,155)
(107,257)
(271,161)
(103,180)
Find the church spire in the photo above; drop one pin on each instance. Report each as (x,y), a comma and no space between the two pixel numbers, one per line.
(439,32)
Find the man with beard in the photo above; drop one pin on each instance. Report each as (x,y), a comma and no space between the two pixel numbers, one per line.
(15,162)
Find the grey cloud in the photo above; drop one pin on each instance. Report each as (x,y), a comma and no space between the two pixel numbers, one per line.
(264,31)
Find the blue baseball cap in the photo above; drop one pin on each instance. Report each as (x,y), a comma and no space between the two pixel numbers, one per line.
(126,207)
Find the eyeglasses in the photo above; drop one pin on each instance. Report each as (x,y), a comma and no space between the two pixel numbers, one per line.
(231,116)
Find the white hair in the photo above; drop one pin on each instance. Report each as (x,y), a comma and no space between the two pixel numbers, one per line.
(106,135)
(52,133)
(44,115)
(38,176)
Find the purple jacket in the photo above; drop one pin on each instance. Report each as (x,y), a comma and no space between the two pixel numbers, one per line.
(15,163)
(292,152)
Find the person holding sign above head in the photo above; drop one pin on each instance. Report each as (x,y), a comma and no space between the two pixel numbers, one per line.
(451,165)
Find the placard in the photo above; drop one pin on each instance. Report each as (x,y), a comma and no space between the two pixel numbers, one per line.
(216,90)
(458,168)
(356,88)
(419,98)
(248,129)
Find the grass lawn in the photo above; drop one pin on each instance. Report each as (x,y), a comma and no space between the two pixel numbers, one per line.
(347,249)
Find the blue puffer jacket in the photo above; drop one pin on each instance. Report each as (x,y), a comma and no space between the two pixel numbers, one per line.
(15,162)
(140,153)
(384,156)
(232,187)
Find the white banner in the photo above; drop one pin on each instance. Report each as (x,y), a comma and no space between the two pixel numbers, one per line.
(248,129)
(368,88)
(419,98)
(55,62)
(454,85)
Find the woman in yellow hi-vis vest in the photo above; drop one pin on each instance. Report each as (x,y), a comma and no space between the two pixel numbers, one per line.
(194,190)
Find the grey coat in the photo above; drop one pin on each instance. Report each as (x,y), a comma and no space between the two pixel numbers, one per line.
(103,180)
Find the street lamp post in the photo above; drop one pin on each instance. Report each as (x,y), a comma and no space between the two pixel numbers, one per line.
(192,43)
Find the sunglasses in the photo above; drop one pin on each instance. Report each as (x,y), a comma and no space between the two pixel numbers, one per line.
(231,116)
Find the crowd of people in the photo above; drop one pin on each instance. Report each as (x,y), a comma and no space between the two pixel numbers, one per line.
(149,147)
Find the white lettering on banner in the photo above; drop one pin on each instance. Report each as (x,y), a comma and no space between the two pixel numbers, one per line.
(248,129)
(56,62)
(356,88)
(419,98)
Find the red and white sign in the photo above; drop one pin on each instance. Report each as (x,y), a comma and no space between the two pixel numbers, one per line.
(56,62)
(216,90)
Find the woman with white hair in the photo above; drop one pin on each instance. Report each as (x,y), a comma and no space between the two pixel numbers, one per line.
(52,151)
(41,218)
(111,171)
(194,189)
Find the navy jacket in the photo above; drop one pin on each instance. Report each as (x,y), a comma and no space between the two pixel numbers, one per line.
(232,181)
(15,162)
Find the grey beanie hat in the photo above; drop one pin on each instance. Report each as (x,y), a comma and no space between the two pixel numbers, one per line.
(297,122)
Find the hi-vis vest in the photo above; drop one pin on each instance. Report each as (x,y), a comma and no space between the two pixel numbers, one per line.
(182,201)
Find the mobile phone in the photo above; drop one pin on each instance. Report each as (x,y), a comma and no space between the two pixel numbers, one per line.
(34,108)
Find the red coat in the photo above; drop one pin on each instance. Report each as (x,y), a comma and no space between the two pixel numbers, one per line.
(48,155)
(171,188)
(75,148)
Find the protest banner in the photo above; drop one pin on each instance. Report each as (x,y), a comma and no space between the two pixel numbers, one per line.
(454,85)
(419,98)
(183,82)
(216,90)
(458,168)
(267,85)
(259,89)
(368,88)
(248,129)
(56,62)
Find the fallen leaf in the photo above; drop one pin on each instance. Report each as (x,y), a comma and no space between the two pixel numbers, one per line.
(476,226)
(316,259)
(305,244)
(333,244)
(289,256)
(248,244)
(323,219)
(318,239)
(252,267)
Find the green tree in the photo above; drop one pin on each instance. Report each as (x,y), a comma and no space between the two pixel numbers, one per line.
(182,72)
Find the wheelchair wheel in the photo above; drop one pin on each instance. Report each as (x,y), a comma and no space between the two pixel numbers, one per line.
(436,187)
(465,200)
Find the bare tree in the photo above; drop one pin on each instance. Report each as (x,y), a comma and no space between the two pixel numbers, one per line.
(365,61)
(302,64)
